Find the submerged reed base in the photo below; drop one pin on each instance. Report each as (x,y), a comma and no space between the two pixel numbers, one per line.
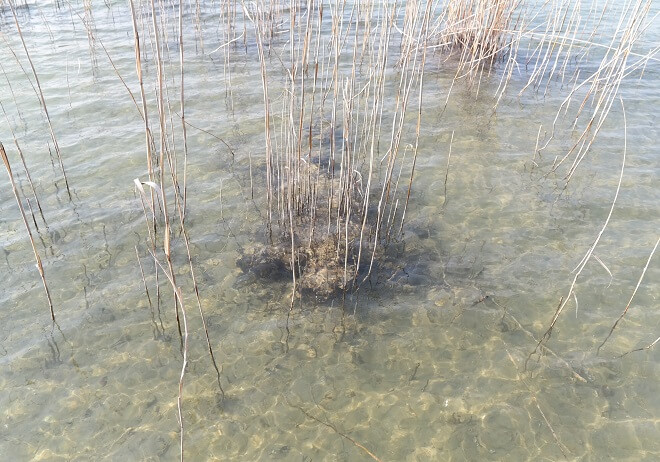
(320,269)
(319,245)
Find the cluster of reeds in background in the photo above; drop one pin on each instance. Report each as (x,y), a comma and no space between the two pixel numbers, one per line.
(343,93)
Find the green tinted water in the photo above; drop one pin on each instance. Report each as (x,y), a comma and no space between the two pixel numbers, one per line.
(428,364)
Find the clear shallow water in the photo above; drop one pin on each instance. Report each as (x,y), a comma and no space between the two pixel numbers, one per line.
(419,367)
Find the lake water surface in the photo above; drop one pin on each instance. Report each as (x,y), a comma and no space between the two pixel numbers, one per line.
(428,363)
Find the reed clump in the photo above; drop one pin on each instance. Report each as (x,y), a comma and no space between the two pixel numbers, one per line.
(479,31)
(324,264)
(340,148)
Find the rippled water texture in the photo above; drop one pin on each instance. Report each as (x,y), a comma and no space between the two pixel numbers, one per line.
(427,364)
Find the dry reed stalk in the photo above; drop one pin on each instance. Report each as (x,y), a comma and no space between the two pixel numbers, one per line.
(198,24)
(184,365)
(159,182)
(50,32)
(183,115)
(171,152)
(25,168)
(37,258)
(90,33)
(647,347)
(337,431)
(88,22)
(568,41)
(564,450)
(180,308)
(425,26)
(167,234)
(607,80)
(376,114)
(625,310)
(149,145)
(590,252)
(477,30)
(544,347)
(340,77)
(565,39)
(68,86)
(11,90)
(338,81)
(42,100)
(410,72)
(144,281)
(199,304)
(267,116)
(149,141)
(451,142)
(231,150)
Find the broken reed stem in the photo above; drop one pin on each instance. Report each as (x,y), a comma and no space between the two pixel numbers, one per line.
(561,446)
(184,365)
(340,433)
(544,347)
(639,281)
(199,303)
(647,347)
(42,100)
(231,151)
(37,259)
(144,281)
(564,450)
(25,168)
(451,142)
